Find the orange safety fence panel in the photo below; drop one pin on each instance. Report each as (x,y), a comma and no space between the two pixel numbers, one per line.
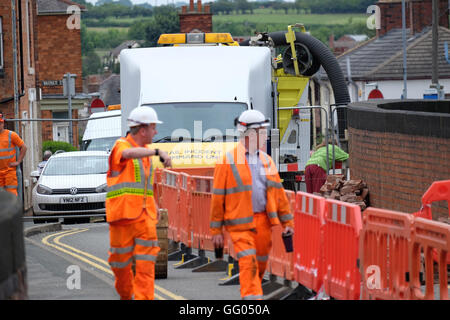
(201,188)
(438,191)
(308,219)
(184,209)
(341,229)
(157,185)
(280,262)
(168,195)
(434,239)
(384,254)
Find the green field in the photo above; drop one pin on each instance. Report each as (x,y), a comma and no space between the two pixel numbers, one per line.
(267,16)
(291,18)
(105,29)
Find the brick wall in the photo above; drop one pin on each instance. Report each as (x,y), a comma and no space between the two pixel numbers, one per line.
(26,17)
(59,52)
(6,89)
(195,18)
(47,126)
(398,165)
(25,78)
(418,15)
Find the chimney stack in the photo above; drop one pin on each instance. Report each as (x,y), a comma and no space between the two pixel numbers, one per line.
(418,15)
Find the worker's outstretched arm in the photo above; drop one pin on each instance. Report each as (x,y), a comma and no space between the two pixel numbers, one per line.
(141,152)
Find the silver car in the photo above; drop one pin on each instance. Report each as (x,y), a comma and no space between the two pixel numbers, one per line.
(71,183)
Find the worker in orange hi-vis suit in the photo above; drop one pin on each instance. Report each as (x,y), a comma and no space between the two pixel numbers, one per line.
(130,207)
(9,140)
(248,199)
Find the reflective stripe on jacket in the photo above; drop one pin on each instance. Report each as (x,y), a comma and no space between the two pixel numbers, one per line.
(8,154)
(231,204)
(130,190)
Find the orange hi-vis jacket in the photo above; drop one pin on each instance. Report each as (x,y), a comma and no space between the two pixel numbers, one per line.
(129,191)
(7,148)
(231,203)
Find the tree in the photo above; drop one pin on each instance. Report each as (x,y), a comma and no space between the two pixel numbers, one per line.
(137,30)
(165,21)
(91,64)
(242,5)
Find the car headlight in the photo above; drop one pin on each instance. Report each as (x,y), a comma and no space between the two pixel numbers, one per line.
(41,189)
(102,188)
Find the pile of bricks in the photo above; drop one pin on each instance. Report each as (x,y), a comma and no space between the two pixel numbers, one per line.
(352,191)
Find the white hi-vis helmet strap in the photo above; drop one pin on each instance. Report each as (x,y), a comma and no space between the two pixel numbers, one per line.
(142,115)
(251,119)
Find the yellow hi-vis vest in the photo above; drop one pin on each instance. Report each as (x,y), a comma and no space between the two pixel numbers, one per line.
(231,203)
(129,191)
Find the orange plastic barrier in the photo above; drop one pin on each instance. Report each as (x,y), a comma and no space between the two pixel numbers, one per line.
(168,198)
(186,193)
(280,262)
(434,238)
(185,209)
(308,219)
(342,225)
(384,254)
(438,191)
(200,192)
(157,185)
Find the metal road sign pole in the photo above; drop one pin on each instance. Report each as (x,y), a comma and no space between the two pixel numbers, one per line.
(69,90)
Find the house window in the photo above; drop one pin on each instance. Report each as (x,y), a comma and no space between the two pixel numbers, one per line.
(1,46)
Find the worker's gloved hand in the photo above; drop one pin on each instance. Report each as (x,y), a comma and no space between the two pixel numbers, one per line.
(288,230)
(165,159)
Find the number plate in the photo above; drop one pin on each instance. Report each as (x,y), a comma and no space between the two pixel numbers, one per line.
(74,200)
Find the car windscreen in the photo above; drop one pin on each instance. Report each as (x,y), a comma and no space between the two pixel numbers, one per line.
(76,166)
(199,120)
(100,144)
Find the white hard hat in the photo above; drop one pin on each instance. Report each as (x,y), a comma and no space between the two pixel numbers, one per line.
(142,115)
(251,119)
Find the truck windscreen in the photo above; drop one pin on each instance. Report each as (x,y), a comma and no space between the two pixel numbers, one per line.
(197,121)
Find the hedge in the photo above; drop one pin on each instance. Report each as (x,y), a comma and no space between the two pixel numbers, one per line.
(54,146)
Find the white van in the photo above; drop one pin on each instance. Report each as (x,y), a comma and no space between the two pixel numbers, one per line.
(101,133)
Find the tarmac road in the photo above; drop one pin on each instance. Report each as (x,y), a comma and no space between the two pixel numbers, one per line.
(71,264)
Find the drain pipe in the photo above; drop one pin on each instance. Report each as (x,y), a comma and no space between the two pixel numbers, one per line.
(351,82)
(16,82)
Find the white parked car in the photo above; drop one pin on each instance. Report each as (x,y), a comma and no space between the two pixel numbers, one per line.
(71,183)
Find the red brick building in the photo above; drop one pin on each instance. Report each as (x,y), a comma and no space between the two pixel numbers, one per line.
(418,15)
(59,53)
(18,94)
(195,18)
(345,42)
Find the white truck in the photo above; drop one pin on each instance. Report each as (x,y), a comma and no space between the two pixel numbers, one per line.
(102,130)
(199,83)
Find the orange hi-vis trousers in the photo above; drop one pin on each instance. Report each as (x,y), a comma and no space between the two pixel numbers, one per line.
(136,240)
(8,180)
(252,250)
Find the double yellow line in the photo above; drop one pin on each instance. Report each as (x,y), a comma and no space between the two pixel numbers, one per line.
(54,241)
